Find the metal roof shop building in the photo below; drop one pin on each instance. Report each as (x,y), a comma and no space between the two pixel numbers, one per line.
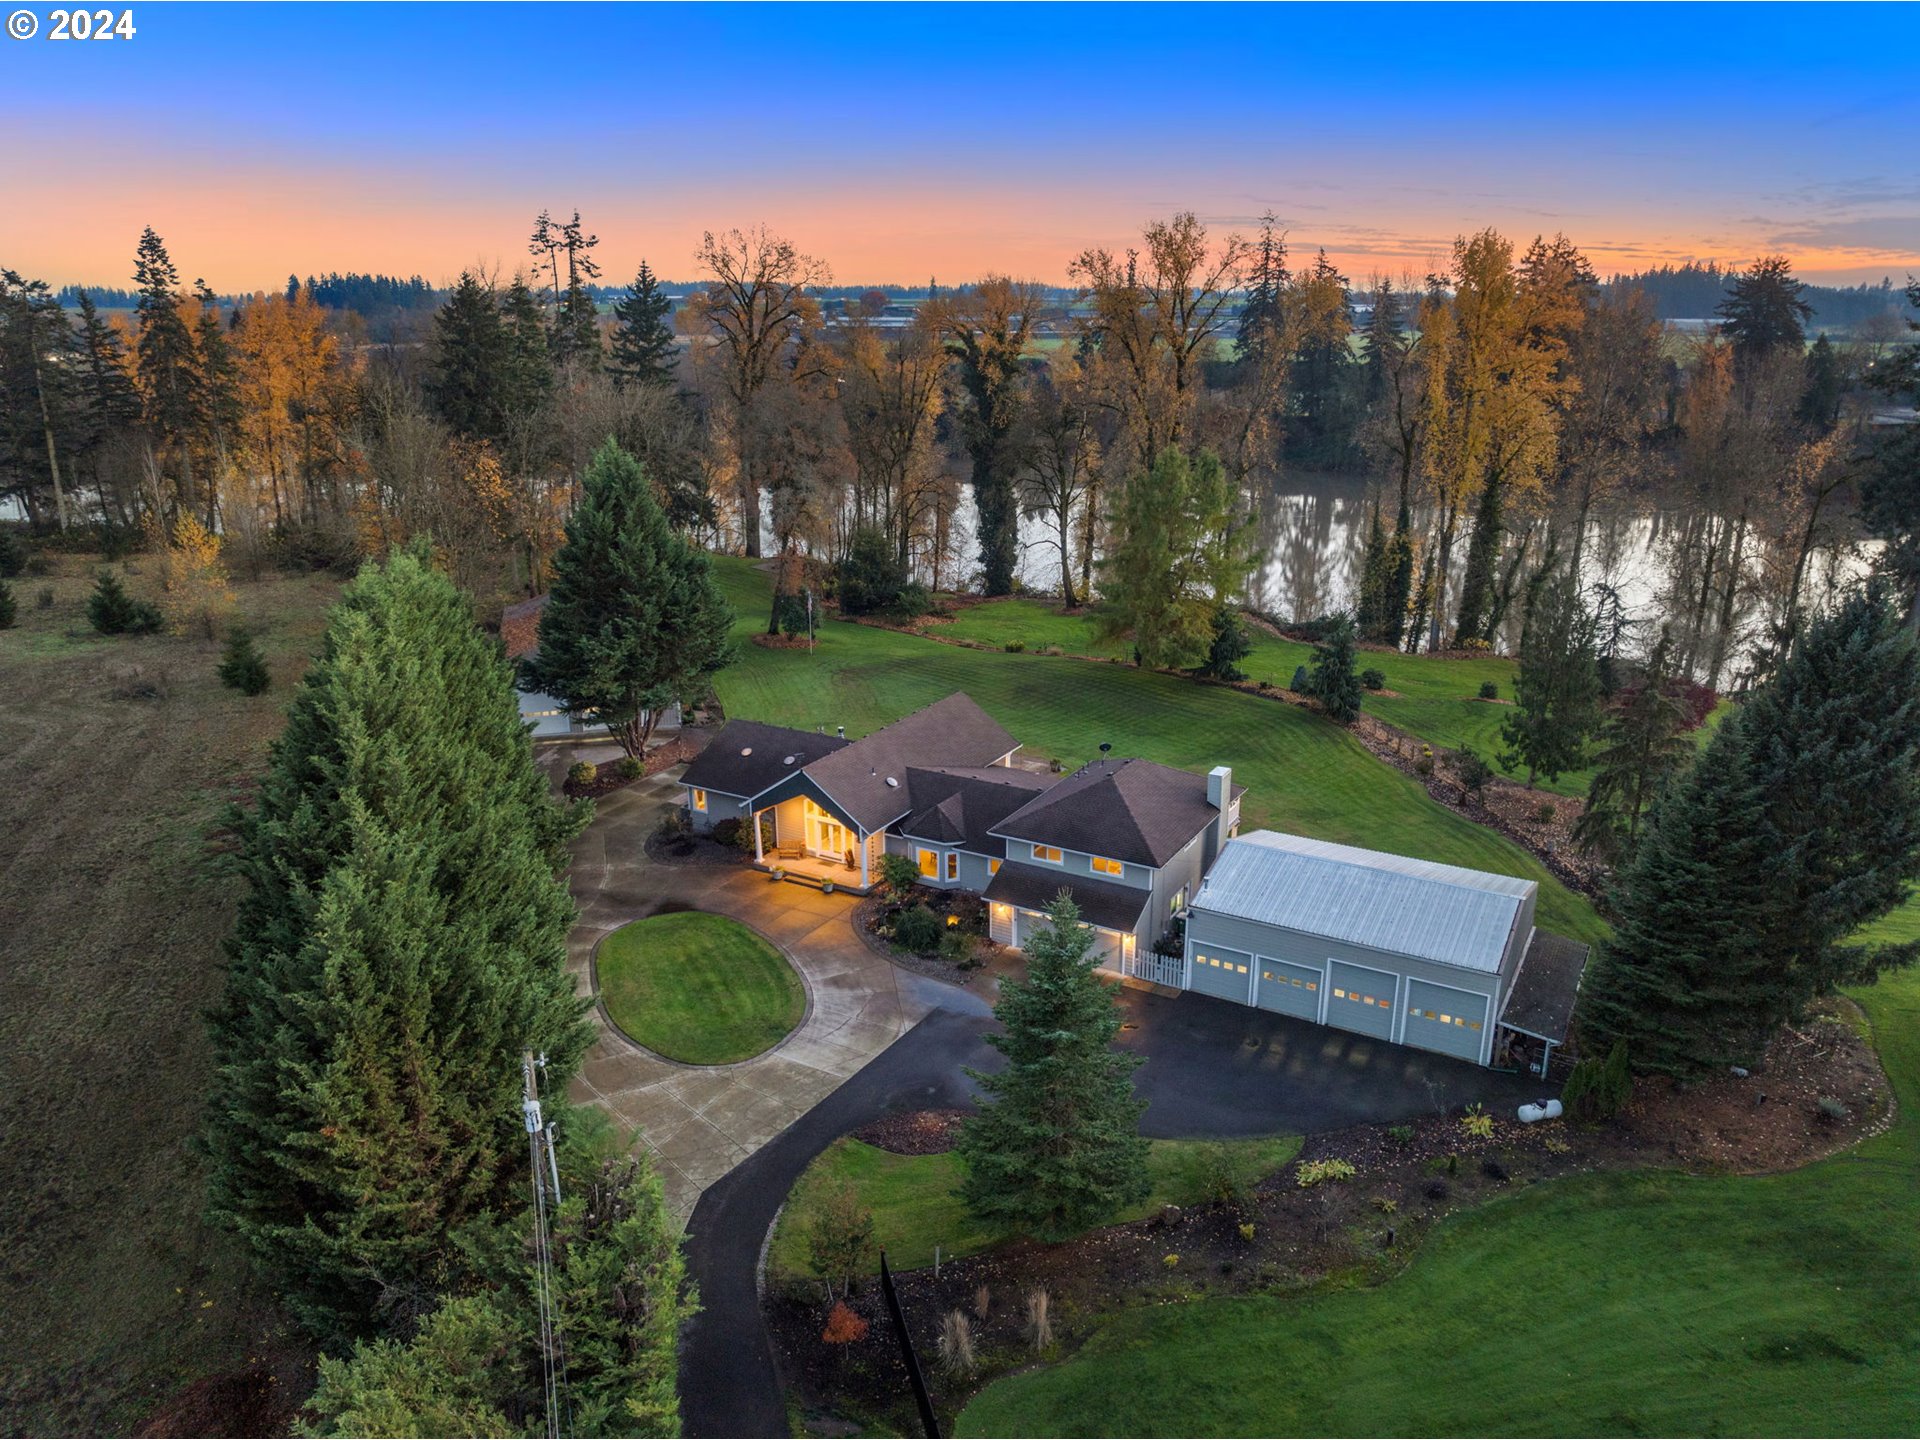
(1407,951)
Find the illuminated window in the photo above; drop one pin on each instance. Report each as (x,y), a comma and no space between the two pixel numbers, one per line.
(1446,1019)
(1240,969)
(1105,866)
(1048,853)
(1475,1025)
(1338,993)
(1179,901)
(699,799)
(993,867)
(929,863)
(953,865)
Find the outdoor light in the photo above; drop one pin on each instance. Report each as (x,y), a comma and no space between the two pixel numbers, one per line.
(952,920)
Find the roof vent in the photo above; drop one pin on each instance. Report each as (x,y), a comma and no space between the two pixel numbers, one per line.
(746,750)
(892,784)
(788,760)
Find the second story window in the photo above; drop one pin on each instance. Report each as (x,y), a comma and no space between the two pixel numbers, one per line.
(1102,865)
(1048,853)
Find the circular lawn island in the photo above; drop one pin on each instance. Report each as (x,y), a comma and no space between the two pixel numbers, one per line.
(700,989)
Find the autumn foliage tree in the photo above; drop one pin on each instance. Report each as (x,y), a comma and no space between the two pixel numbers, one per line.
(195,593)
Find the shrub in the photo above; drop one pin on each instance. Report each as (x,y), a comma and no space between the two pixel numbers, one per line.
(1246,1230)
(956,1344)
(1547,810)
(1400,1134)
(1039,1318)
(1424,762)
(844,1327)
(918,930)
(734,832)
(1476,643)
(8,609)
(956,947)
(1298,684)
(839,1236)
(1477,1122)
(44,600)
(1373,679)
(13,554)
(1319,1172)
(1386,1204)
(1831,1110)
(1489,690)
(243,667)
(112,611)
(629,768)
(1597,1088)
(1014,647)
(1172,1262)
(582,772)
(1228,1173)
(1474,772)
(898,875)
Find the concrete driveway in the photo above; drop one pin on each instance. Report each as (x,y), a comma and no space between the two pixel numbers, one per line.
(701,1121)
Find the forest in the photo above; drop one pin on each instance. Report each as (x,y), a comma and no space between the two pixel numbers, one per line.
(1003,434)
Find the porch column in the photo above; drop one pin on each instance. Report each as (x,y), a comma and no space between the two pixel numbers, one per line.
(754,820)
(863,860)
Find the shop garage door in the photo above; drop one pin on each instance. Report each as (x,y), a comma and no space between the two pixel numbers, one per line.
(1360,998)
(1221,972)
(1290,989)
(1444,1019)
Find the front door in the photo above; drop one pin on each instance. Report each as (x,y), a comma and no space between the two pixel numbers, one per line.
(827,837)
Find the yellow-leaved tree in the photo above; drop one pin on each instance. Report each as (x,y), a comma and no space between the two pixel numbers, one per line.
(195,595)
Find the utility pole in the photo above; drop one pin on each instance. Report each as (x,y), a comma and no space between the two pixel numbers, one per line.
(553,1356)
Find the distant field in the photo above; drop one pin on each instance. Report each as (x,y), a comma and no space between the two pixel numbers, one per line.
(1305,774)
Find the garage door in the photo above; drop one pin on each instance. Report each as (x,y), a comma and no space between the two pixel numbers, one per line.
(1221,972)
(1106,943)
(1290,989)
(1444,1019)
(1360,998)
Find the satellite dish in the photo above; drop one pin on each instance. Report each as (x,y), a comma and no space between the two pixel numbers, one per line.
(787,761)
(1105,746)
(746,750)
(892,784)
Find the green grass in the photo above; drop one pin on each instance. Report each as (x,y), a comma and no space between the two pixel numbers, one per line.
(700,989)
(1645,1303)
(914,1207)
(1305,775)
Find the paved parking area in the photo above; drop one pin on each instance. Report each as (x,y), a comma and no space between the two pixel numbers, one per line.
(701,1121)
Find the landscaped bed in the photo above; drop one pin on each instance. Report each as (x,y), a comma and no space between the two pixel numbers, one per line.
(700,989)
(1271,1274)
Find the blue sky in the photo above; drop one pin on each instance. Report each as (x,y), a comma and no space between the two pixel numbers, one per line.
(903,141)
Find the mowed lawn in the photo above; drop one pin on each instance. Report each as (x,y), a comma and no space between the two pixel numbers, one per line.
(1305,774)
(914,1206)
(1649,1303)
(700,989)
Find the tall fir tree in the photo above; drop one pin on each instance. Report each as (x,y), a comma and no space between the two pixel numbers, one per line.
(1687,978)
(1386,342)
(470,349)
(576,322)
(1334,679)
(1643,746)
(642,353)
(217,374)
(1396,601)
(1263,316)
(1056,1146)
(526,376)
(1371,610)
(634,621)
(166,365)
(1557,688)
(401,943)
(1819,408)
(1764,313)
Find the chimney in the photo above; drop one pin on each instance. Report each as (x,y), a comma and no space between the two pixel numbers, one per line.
(1220,796)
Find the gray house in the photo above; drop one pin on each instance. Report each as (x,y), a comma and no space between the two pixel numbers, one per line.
(1408,951)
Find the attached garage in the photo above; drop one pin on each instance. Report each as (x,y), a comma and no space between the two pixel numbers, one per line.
(1361,998)
(1289,988)
(1400,950)
(1108,945)
(1221,972)
(1440,1017)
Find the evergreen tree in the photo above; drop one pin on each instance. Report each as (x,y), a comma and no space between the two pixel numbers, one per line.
(1263,315)
(1376,567)
(1335,677)
(1322,377)
(216,375)
(1644,745)
(9,608)
(1763,312)
(401,943)
(526,374)
(1826,384)
(870,580)
(112,611)
(1385,343)
(1229,646)
(1420,608)
(1557,689)
(1477,582)
(1890,488)
(1056,1145)
(576,326)
(1396,601)
(109,404)
(643,349)
(166,366)
(1685,979)
(634,620)
(469,360)
(243,667)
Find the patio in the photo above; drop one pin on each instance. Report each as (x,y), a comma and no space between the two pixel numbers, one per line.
(814,867)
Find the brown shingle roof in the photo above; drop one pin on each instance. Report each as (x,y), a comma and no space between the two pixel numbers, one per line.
(747,756)
(954,731)
(960,806)
(1133,810)
(1101,902)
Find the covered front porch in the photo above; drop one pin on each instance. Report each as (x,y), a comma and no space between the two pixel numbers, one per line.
(804,838)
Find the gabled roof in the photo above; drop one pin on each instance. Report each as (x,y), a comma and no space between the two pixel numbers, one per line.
(960,806)
(867,779)
(1102,902)
(1387,902)
(1131,810)
(746,757)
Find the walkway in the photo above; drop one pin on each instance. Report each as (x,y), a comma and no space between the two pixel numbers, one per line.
(702,1121)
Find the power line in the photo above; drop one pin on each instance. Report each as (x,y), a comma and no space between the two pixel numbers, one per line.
(553,1354)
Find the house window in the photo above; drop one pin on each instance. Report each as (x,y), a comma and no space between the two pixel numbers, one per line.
(699,799)
(993,867)
(1179,901)
(953,865)
(1049,853)
(1104,866)
(929,863)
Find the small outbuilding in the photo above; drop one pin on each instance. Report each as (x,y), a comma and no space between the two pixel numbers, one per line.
(1409,951)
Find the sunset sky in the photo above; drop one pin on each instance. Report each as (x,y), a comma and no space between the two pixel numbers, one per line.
(900,143)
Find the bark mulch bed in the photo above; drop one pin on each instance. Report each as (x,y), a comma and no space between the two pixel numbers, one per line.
(877,909)
(913,1132)
(607,778)
(1361,1230)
